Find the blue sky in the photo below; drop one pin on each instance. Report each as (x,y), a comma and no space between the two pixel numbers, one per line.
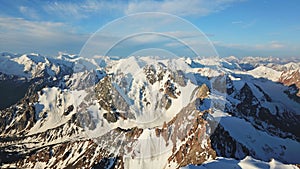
(235,27)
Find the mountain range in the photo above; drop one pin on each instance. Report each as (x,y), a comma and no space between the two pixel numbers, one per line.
(69,111)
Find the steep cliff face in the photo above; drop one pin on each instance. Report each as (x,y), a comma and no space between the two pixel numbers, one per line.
(259,109)
(291,77)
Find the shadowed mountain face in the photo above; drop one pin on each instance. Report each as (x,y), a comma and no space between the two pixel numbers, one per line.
(12,90)
(70,112)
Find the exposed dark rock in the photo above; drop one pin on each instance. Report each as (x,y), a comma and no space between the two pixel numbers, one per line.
(226,146)
(69,110)
(110,117)
(203,92)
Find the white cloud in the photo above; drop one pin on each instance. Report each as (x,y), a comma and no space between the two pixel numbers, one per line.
(30,12)
(86,8)
(237,22)
(178,7)
(83,9)
(270,45)
(29,27)
(65,10)
(51,37)
(270,48)
(276,45)
(20,35)
(244,24)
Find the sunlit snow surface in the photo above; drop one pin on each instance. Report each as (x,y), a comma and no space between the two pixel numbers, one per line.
(246,163)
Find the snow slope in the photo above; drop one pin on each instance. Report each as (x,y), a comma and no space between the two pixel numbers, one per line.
(265,72)
(247,163)
(265,146)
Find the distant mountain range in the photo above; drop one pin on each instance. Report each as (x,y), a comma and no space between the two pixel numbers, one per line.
(148,112)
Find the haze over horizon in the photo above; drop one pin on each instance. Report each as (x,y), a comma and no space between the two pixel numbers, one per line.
(235,27)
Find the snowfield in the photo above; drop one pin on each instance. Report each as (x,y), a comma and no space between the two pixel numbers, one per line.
(246,163)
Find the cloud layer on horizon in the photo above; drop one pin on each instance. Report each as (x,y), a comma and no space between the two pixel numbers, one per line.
(50,27)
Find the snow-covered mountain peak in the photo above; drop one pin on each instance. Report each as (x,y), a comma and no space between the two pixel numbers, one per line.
(148,90)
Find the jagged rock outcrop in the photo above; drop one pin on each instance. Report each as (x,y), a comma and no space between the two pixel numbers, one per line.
(291,77)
